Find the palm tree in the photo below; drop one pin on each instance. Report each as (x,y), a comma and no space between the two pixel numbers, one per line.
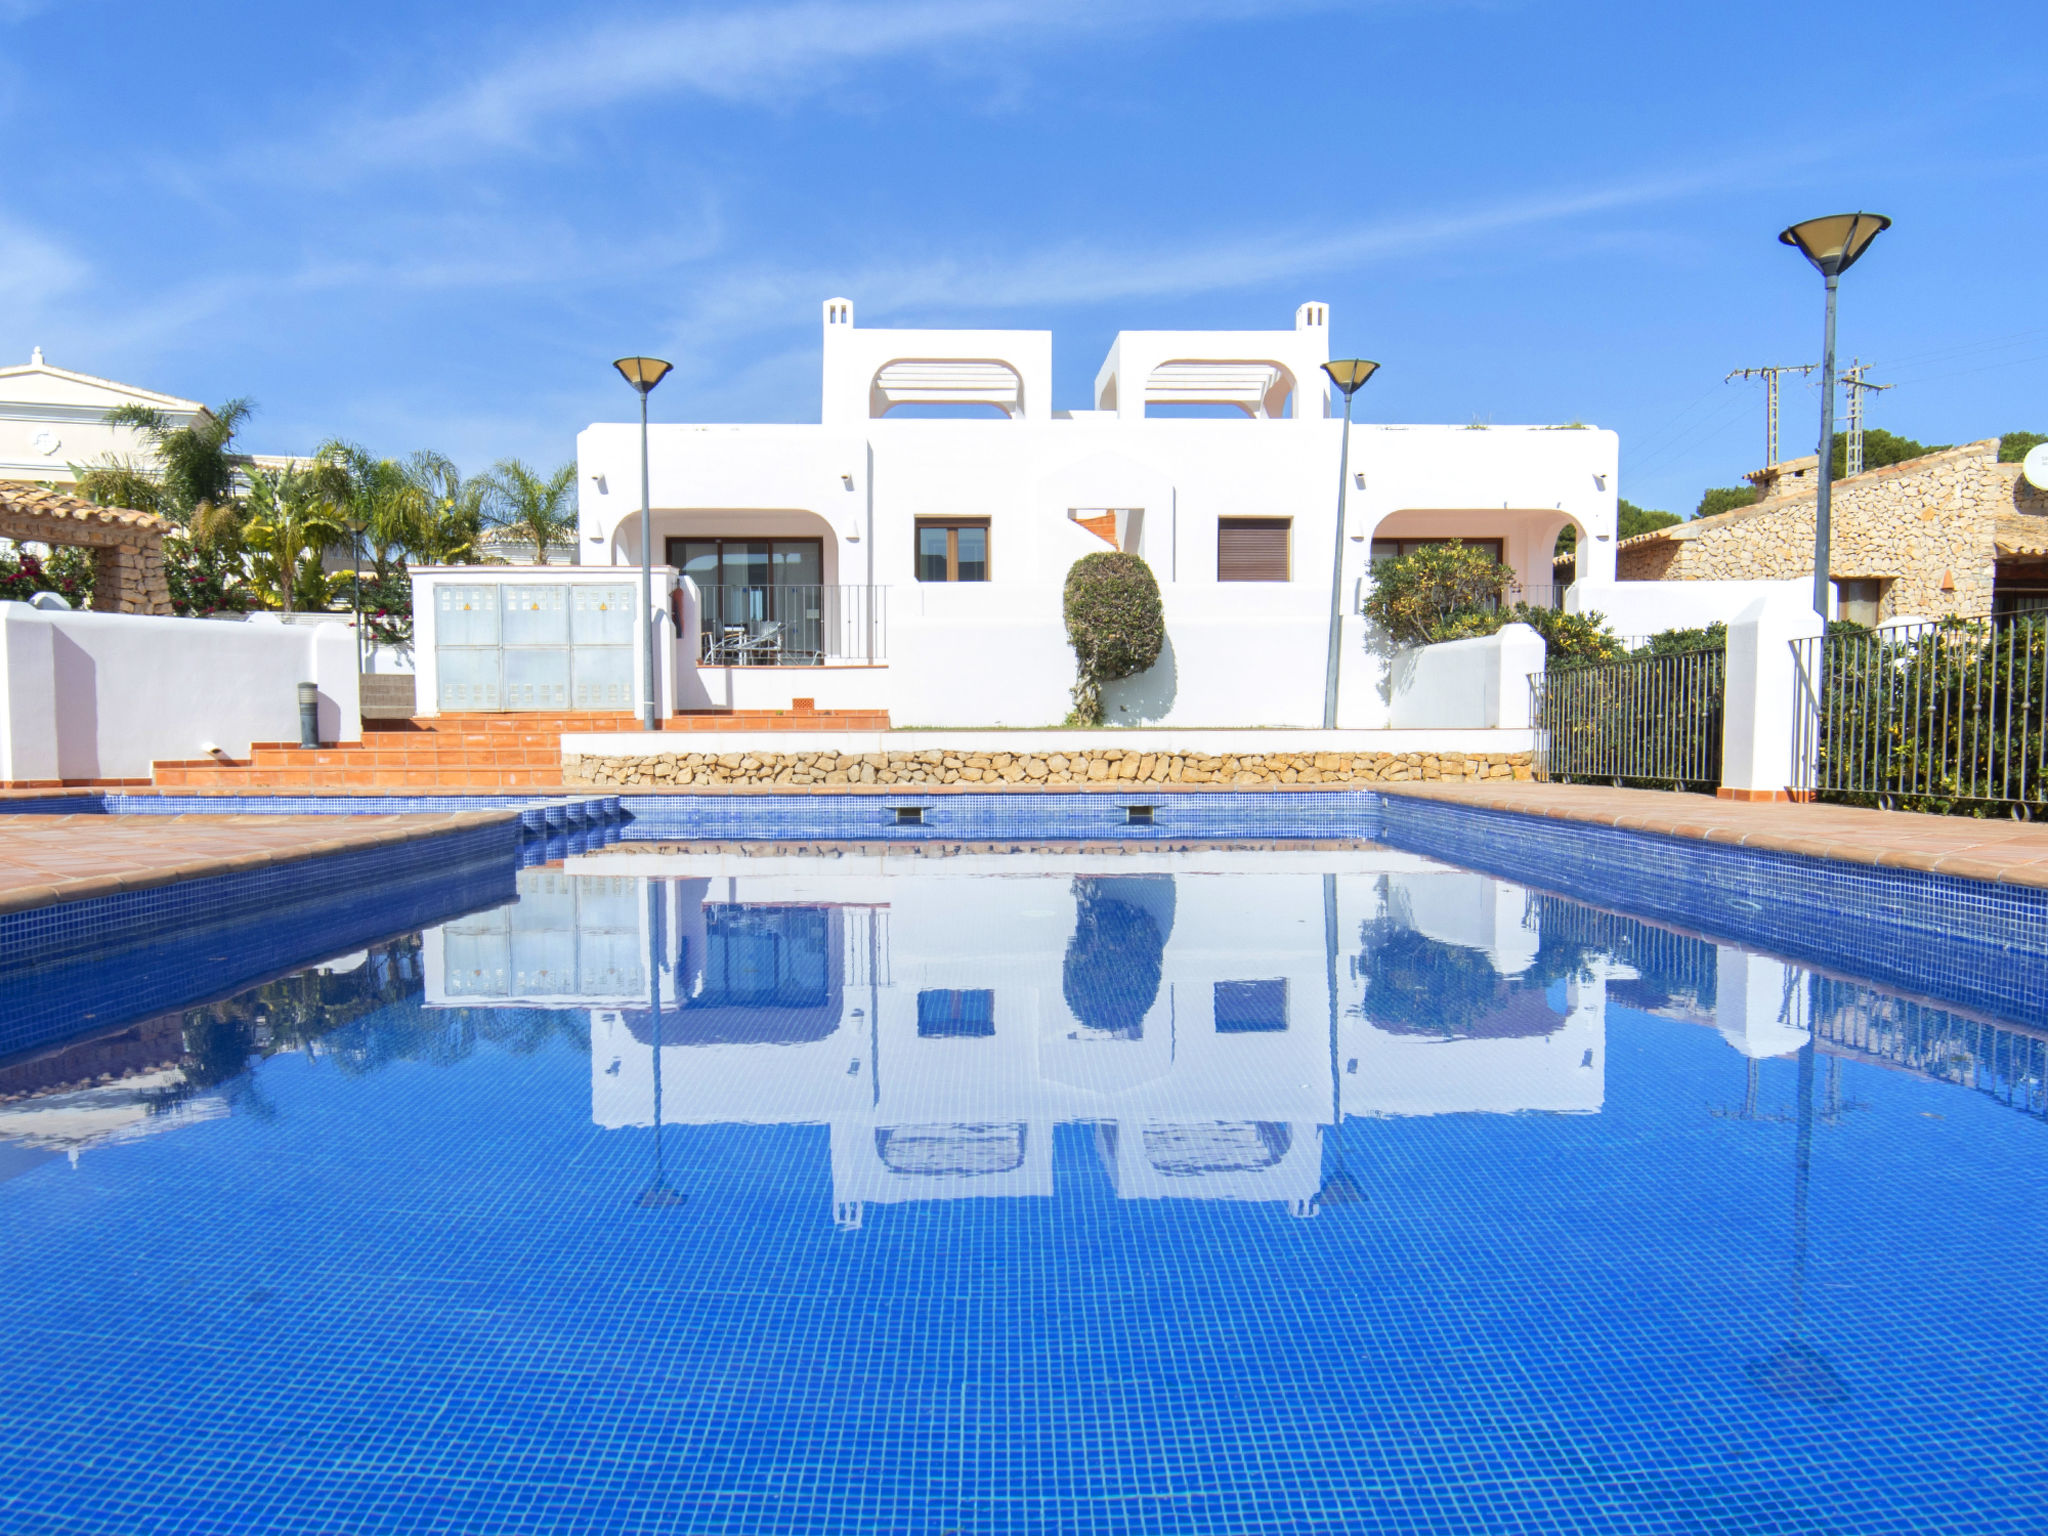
(538,511)
(377,500)
(193,477)
(453,511)
(294,517)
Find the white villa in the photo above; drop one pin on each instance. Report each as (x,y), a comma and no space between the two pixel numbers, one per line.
(885,559)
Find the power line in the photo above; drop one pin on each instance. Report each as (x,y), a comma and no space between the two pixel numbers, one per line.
(1857,386)
(1770,377)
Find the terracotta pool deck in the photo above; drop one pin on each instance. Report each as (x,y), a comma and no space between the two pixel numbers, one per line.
(49,859)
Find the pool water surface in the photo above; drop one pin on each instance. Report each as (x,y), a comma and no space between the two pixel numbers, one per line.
(1225,1191)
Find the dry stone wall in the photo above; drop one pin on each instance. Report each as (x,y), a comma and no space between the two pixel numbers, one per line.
(1101,767)
(1927,524)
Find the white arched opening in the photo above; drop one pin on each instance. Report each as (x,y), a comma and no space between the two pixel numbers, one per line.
(987,382)
(1260,389)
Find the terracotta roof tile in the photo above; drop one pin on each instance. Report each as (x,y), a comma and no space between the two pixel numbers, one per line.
(36,502)
(2020,534)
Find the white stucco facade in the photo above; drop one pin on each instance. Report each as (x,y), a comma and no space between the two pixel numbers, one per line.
(861,483)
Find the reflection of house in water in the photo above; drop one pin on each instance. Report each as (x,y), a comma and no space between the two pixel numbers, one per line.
(1208,1023)
(943,1025)
(1470,1001)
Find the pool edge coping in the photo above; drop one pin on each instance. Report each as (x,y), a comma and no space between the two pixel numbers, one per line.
(414,826)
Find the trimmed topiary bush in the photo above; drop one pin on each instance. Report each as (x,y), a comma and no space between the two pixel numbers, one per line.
(1115,624)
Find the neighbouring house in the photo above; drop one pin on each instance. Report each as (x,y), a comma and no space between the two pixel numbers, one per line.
(52,418)
(907,551)
(1953,532)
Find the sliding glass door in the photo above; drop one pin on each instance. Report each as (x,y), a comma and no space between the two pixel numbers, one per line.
(762,597)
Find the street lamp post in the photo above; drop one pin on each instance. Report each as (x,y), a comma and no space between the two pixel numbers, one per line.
(643,373)
(1348,374)
(1832,243)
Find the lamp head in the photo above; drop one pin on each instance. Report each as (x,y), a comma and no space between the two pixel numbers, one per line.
(643,373)
(1833,242)
(1349,373)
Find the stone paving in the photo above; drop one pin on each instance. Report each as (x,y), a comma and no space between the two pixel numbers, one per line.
(2010,851)
(50,859)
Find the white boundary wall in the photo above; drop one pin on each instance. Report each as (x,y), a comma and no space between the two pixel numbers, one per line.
(1473,684)
(1642,608)
(104,695)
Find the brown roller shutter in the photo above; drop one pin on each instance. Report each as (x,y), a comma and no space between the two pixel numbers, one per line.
(1251,548)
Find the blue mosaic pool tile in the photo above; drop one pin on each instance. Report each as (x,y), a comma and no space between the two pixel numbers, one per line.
(1973,942)
(1047,816)
(211,952)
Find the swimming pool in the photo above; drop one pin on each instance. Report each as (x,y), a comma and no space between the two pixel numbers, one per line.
(1232,1189)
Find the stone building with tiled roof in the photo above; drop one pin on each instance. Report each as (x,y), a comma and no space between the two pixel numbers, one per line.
(1954,532)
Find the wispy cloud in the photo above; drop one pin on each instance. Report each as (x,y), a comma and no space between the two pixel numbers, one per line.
(35,269)
(1085,272)
(768,53)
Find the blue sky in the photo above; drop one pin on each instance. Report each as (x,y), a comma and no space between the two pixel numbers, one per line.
(435,225)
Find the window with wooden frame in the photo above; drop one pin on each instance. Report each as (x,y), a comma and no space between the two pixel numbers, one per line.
(1394,549)
(1252,548)
(952,549)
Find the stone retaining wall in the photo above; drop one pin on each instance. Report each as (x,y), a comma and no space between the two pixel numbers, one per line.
(999,770)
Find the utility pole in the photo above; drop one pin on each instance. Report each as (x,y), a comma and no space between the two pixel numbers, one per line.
(1770,378)
(1853,381)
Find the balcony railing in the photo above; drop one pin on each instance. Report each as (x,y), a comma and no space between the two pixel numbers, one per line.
(792,625)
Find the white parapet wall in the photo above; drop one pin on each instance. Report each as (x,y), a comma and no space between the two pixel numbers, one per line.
(1635,609)
(105,695)
(1478,684)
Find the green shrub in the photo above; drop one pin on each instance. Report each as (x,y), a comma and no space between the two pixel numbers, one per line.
(1115,624)
(1569,639)
(1950,719)
(1438,592)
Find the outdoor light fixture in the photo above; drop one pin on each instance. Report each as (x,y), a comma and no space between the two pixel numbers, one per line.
(643,373)
(1832,244)
(1348,374)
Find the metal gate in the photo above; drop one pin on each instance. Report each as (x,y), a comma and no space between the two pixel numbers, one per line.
(533,646)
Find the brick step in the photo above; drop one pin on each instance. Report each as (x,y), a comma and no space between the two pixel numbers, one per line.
(844,720)
(343,780)
(341,757)
(472,726)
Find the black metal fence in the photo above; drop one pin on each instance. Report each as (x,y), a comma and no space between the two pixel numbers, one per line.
(1945,716)
(794,624)
(1654,721)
